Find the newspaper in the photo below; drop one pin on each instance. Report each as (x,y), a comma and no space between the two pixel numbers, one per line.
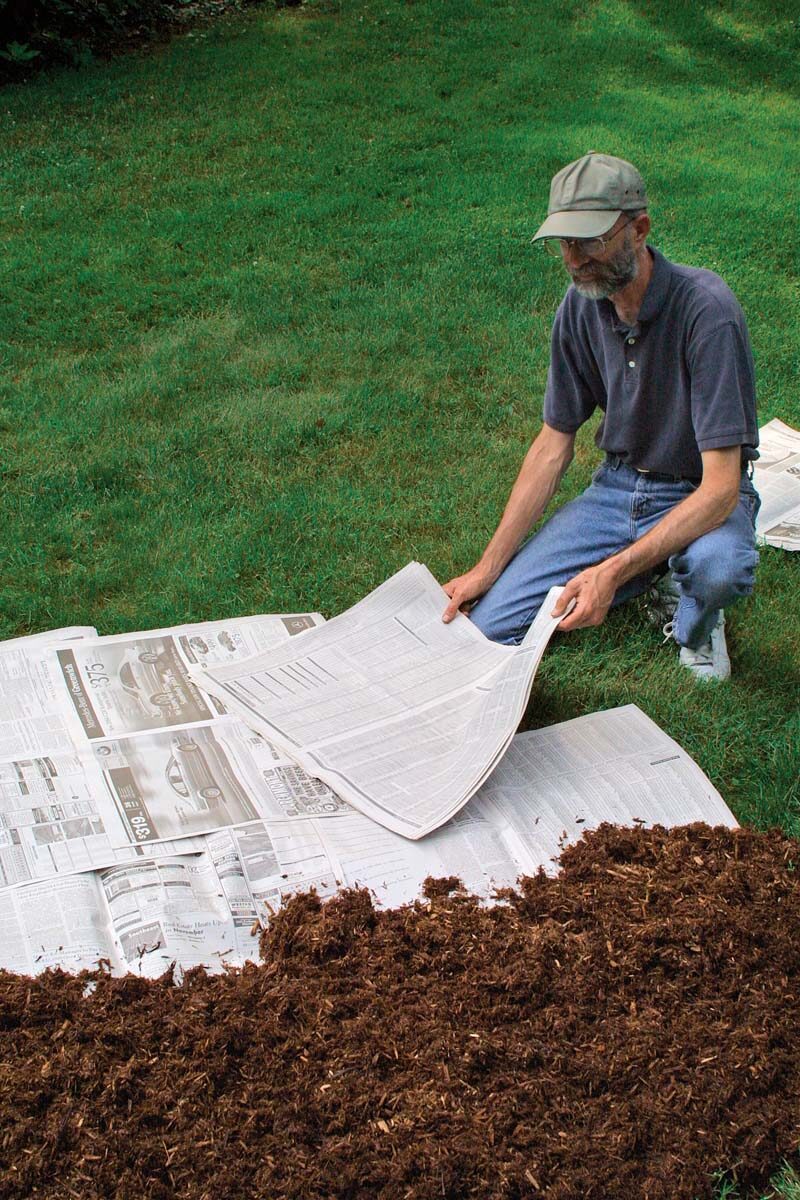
(73,802)
(553,784)
(205,909)
(122,799)
(35,719)
(141,917)
(403,716)
(777,481)
(131,683)
(61,923)
(200,778)
(55,819)
(29,721)
(616,766)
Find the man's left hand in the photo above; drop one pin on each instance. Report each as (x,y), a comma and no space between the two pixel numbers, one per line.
(592,590)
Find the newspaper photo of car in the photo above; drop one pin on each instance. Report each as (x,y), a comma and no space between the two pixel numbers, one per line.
(141,678)
(169,784)
(191,776)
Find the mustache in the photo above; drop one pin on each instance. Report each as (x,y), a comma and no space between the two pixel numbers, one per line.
(605,278)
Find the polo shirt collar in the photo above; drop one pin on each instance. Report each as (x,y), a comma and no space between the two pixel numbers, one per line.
(657,288)
(655,296)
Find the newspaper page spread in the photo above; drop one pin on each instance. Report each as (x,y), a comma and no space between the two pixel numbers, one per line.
(553,784)
(71,803)
(616,766)
(278,858)
(34,717)
(402,715)
(29,721)
(777,481)
(141,916)
(58,694)
(178,910)
(59,923)
(55,820)
(205,909)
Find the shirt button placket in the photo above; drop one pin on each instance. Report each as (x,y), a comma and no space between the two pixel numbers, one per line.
(630,363)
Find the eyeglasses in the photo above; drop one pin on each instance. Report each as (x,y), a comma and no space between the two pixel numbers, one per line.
(591,247)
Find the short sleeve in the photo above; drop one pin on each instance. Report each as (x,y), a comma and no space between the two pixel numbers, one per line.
(723,396)
(569,399)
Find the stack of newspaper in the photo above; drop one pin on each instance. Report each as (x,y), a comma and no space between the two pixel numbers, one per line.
(777,480)
(144,822)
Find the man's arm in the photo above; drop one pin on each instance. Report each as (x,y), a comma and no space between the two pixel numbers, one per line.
(542,471)
(706,509)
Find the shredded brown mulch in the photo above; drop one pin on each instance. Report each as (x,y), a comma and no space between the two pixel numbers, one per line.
(620,1031)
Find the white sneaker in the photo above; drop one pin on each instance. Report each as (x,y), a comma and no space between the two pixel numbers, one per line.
(709,661)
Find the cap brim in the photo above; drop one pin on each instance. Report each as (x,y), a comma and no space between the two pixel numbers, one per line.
(588,223)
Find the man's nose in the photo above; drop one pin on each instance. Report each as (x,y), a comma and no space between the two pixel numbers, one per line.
(574,256)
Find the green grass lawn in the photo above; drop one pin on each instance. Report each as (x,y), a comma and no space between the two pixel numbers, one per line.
(271,324)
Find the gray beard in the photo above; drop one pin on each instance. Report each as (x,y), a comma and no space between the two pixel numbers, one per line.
(610,277)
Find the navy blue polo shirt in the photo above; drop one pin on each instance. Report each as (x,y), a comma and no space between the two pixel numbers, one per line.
(678,382)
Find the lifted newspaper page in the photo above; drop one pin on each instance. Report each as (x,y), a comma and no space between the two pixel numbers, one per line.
(777,481)
(551,785)
(402,715)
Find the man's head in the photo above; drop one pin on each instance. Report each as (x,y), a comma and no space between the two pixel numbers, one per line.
(597,221)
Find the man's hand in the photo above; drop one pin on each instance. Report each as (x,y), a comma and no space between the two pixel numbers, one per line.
(704,509)
(545,463)
(592,590)
(465,590)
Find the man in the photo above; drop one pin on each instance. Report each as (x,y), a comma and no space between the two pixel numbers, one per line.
(664,351)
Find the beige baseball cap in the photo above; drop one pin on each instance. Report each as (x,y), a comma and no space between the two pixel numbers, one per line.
(588,195)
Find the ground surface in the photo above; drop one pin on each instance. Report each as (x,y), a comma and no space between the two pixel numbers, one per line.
(271,324)
(618,1032)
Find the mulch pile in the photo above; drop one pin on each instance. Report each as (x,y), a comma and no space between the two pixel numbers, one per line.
(621,1031)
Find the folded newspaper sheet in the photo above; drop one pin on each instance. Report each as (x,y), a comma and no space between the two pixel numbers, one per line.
(777,481)
(402,715)
(207,909)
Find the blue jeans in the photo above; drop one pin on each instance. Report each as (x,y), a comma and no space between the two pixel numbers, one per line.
(618,508)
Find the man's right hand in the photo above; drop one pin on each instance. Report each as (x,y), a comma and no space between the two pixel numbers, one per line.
(465,590)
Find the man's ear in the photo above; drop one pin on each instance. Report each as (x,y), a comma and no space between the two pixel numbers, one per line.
(641,227)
